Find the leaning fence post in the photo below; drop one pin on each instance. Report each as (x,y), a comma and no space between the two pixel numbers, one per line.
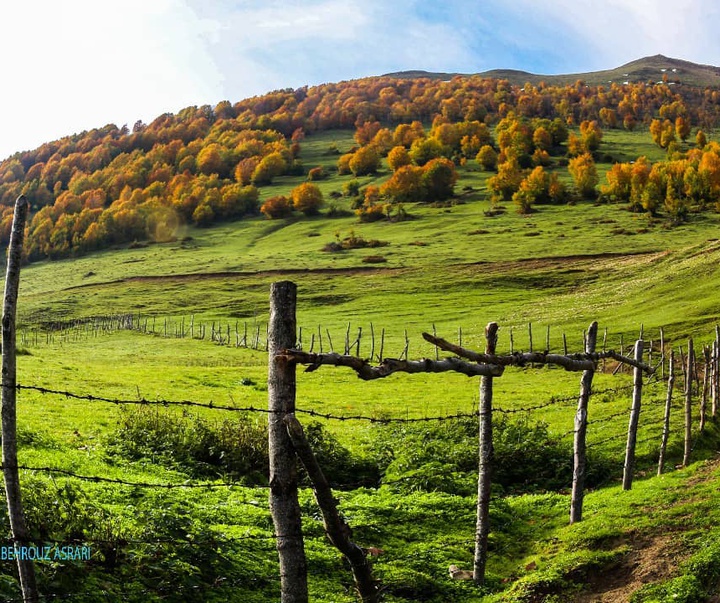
(580,446)
(666,418)
(688,403)
(26,569)
(485,463)
(337,530)
(284,505)
(634,418)
(715,373)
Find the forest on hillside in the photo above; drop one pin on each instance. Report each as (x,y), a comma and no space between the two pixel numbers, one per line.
(205,164)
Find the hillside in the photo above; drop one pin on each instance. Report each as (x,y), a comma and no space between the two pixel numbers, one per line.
(143,332)
(206,165)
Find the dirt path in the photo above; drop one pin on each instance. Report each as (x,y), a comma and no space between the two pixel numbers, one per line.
(649,560)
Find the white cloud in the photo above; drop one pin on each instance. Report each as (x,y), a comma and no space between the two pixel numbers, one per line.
(80,64)
(618,31)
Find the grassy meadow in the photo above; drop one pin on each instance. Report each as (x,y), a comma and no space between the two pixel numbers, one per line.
(453,268)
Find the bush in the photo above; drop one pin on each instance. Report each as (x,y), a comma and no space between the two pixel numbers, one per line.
(307,198)
(276,207)
(342,469)
(236,448)
(444,457)
(186,442)
(317,173)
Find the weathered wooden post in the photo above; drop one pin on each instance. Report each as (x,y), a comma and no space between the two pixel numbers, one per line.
(634,418)
(26,569)
(580,446)
(705,384)
(662,354)
(715,374)
(284,504)
(688,403)
(485,462)
(336,528)
(666,418)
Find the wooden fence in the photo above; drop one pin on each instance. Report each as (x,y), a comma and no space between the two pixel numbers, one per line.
(285,443)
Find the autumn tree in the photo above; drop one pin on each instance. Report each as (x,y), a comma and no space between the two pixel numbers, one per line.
(591,135)
(366,160)
(506,182)
(682,128)
(405,185)
(533,189)
(438,179)
(425,149)
(398,157)
(619,180)
(487,157)
(307,198)
(584,173)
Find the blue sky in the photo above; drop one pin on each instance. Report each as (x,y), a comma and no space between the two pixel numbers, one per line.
(77,64)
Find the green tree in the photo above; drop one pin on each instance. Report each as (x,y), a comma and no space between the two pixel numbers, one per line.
(438,179)
(425,149)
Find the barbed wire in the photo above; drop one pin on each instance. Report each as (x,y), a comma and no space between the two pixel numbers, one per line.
(142,401)
(137,484)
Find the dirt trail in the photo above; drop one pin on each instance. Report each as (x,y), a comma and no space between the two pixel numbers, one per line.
(649,560)
(502,266)
(652,557)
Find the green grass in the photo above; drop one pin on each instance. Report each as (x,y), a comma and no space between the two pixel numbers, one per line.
(448,268)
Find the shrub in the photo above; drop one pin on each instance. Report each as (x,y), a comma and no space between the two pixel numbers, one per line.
(351,188)
(189,443)
(276,207)
(374,259)
(444,457)
(317,173)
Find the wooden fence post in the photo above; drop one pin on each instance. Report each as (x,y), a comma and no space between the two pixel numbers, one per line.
(715,383)
(26,569)
(336,528)
(485,462)
(666,419)
(634,419)
(705,384)
(284,504)
(688,403)
(580,446)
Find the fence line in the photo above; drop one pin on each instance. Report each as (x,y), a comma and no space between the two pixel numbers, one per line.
(248,334)
(520,361)
(313,413)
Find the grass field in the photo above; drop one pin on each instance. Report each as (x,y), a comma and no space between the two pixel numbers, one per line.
(450,268)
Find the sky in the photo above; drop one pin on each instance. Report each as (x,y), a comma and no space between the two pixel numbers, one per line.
(73,65)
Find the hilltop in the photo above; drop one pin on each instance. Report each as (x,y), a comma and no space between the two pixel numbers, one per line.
(647,69)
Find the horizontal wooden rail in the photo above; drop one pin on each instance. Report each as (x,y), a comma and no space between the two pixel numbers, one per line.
(389,366)
(571,362)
